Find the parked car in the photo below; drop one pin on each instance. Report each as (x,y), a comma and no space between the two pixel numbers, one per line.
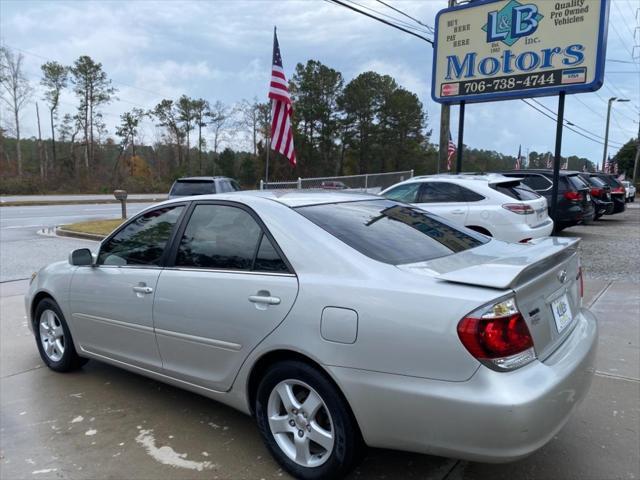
(188,186)
(494,205)
(332,185)
(618,193)
(573,201)
(600,195)
(335,319)
(630,189)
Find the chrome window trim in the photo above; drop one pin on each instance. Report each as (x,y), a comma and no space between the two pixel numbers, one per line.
(245,272)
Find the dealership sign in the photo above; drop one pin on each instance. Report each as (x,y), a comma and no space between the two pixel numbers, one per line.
(499,49)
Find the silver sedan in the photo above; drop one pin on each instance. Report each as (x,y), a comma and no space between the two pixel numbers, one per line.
(337,320)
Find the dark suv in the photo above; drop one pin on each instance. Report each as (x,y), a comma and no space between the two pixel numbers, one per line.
(574,198)
(618,193)
(187,186)
(600,195)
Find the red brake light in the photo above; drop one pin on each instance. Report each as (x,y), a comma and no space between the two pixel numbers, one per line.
(573,196)
(498,336)
(597,192)
(617,190)
(519,208)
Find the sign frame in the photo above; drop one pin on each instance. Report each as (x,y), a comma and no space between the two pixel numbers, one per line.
(594,85)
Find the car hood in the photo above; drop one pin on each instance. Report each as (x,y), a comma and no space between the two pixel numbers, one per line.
(497,264)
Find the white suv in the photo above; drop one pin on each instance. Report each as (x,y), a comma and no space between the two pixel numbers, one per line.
(492,204)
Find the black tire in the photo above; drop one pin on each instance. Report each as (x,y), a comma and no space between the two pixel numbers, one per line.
(69,360)
(348,446)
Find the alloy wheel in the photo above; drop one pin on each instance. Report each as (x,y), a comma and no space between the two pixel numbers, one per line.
(52,335)
(300,423)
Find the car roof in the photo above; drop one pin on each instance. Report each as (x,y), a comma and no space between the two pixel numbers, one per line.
(290,198)
(199,179)
(465,176)
(544,171)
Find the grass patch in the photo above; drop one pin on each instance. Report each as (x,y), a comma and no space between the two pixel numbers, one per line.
(96,227)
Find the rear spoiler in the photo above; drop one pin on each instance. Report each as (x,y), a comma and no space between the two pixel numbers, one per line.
(511,270)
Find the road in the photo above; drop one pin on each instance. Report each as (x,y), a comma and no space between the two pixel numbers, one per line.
(23,247)
(75,198)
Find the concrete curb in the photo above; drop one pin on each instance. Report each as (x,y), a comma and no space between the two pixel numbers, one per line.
(84,236)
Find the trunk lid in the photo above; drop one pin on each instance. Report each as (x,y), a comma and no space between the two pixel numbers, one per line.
(516,192)
(543,275)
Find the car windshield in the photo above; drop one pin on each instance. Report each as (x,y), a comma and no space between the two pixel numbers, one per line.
(392,232)
(192,187)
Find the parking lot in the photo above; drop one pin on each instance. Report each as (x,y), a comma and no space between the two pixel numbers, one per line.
(103,422)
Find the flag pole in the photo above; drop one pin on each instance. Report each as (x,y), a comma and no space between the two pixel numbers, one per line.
(268,145)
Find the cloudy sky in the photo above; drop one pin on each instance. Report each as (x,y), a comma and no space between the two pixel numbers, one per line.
(221,50)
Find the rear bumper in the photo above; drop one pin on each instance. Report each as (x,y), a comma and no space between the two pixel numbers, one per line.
(521,231)
(492,417)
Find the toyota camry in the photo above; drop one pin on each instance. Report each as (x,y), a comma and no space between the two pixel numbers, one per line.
(338,320)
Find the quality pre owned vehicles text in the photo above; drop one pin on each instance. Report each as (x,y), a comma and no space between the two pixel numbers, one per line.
(320,313)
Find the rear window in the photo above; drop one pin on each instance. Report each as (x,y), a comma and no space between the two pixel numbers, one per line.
(577,182)
(192,187)
(595,181)
(612,182)
(516,190)
(391,232)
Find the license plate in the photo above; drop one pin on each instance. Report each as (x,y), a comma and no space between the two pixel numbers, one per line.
(561,312)
(588,197)
(540,213)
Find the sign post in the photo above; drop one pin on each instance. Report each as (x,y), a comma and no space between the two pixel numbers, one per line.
(491,50)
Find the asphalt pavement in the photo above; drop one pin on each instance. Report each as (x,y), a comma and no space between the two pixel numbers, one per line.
(26,243)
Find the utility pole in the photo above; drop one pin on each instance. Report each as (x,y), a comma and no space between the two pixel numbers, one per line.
(445,116)
(606,131)
(635,162)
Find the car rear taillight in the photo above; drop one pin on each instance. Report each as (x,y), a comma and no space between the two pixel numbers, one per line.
(617,190)
(573,196)
(519,208)
(497,336)
(597,192)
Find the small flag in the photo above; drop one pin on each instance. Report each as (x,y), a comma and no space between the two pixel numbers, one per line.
(607,166)
(549,161)
(565,165)
(281,107)
(451,152)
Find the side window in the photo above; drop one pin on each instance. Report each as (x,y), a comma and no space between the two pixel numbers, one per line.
(235,186)
(267,258)
(404,193)
(441,192)
(470,195)
(142,241)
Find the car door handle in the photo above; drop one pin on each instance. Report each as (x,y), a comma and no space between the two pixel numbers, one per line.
(141,289)
(264,299)
(457,212)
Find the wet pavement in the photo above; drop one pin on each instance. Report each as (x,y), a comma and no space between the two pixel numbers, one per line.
(103,422)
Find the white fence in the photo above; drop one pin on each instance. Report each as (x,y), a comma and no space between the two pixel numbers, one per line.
(369,182)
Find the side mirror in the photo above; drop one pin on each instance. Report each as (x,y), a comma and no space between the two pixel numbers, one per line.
(81,257)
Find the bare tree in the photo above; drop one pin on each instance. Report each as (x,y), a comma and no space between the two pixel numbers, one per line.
(54,79)
(219,119)
(42,152)
(16,92)
(200,108)
(250,120)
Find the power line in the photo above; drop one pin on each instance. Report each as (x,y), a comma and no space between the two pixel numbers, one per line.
(624,44)
(406,15)
(615,4)
(350,7)
(399,22)
(569,121)
(555,119)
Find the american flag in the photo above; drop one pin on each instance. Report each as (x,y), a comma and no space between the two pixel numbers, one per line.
(518,165)
(451,152)
(607,166)
(281,108)
(549,161)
